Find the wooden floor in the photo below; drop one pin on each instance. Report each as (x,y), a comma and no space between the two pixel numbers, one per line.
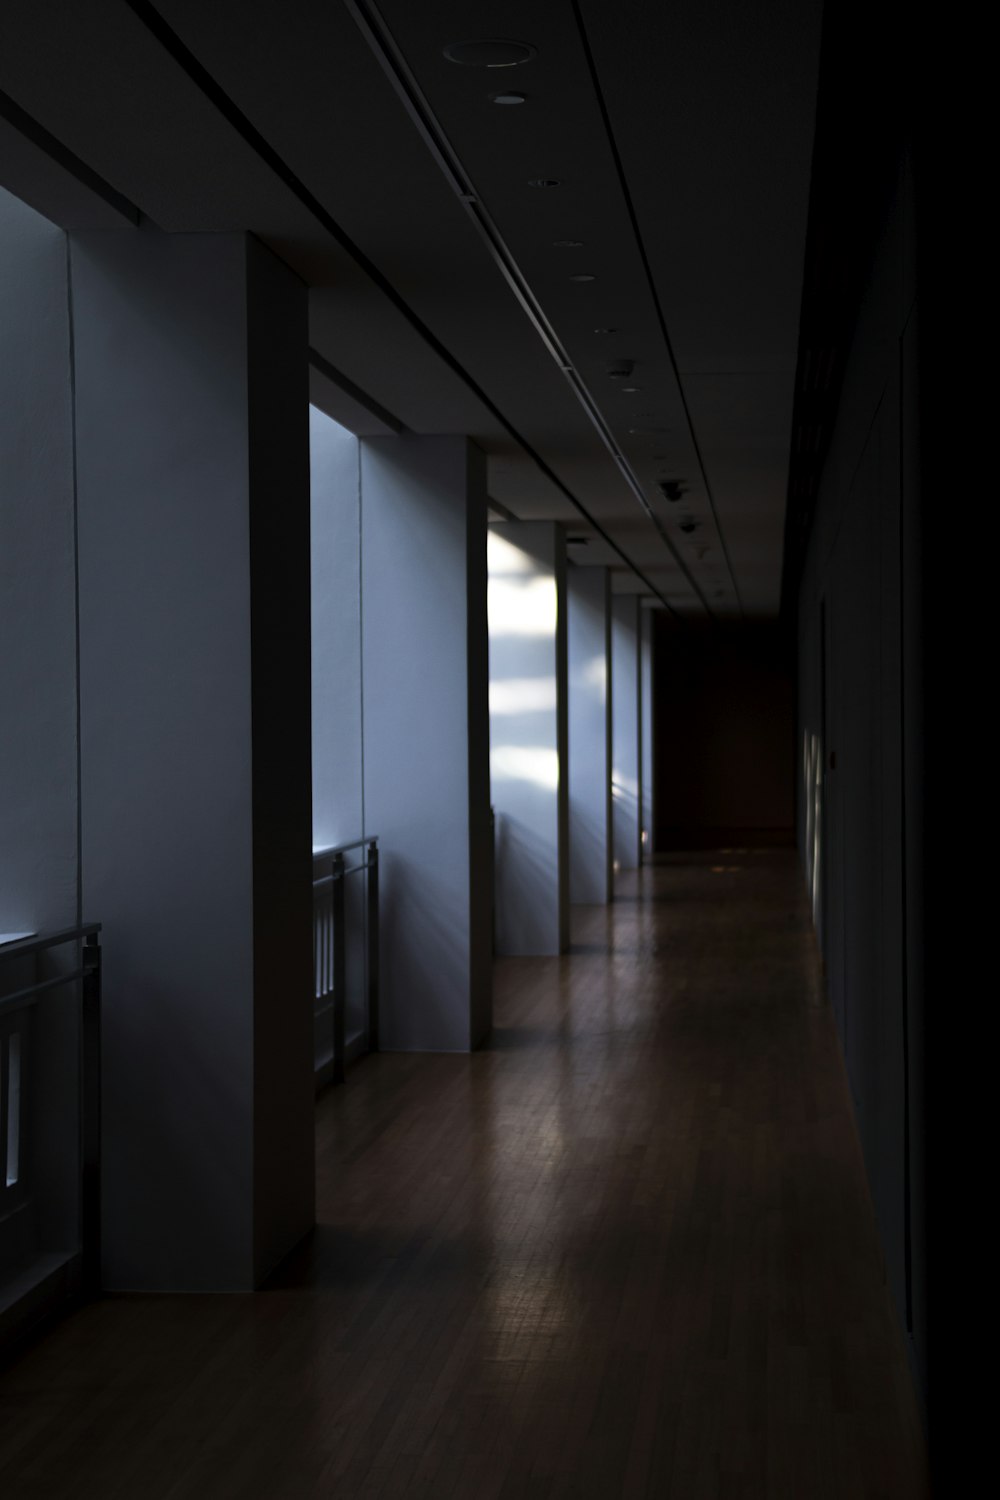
(626,1251)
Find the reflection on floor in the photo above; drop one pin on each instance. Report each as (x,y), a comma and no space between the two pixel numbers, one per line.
(626,1251)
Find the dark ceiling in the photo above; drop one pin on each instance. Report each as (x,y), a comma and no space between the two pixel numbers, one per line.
(444,297)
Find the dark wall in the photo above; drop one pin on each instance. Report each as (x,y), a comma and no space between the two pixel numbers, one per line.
(860,740)
(723,735)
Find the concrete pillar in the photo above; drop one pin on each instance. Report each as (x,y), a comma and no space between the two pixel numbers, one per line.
(626,739)
(589,688)
(528,736)
(646,730)
(193,493)
(426,736)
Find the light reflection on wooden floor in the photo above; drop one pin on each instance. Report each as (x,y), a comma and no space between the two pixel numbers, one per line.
(625,1251)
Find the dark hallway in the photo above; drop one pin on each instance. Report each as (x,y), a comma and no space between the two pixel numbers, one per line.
(626,1250)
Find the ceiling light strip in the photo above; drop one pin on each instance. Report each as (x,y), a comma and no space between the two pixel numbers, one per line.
(244,127)
(647,267)
(381,42)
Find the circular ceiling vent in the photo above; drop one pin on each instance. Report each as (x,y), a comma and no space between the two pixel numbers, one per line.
(494,52)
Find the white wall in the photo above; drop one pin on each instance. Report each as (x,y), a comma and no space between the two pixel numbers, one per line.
(646,730)
(337,764)
(588,593)
(625,701)
(337,774)
(39,847)
(192,462)
(528,735)
(426,735)
(38,741)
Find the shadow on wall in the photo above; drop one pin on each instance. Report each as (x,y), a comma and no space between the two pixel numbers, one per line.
(527,890)
(417,978)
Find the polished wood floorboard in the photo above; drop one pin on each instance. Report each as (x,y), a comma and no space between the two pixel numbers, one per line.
(625,1251)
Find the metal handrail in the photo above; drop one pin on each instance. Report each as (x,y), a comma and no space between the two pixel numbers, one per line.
(20,999)
(371,838)
(41,943)
(368,864)
(40,940)
(88,973)
(331,884)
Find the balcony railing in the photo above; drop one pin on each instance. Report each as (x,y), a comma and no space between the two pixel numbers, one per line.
(50,1113)
(345,942)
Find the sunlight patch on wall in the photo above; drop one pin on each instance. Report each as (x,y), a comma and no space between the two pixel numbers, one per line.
(504,558)
(595,673)
(522,695)
(530,763)
(526,607)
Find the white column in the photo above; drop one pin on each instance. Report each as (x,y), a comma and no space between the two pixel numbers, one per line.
(193,488)
(528,736)
(426,736)
(589,688)
(626,760)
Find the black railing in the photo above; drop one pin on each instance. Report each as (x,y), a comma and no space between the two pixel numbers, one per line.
(333,934)
(29,1100)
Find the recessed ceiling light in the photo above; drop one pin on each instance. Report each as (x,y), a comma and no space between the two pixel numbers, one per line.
(631,390)
(508,98)
(568,244)
(490,52)
(544,182)
(583,276)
